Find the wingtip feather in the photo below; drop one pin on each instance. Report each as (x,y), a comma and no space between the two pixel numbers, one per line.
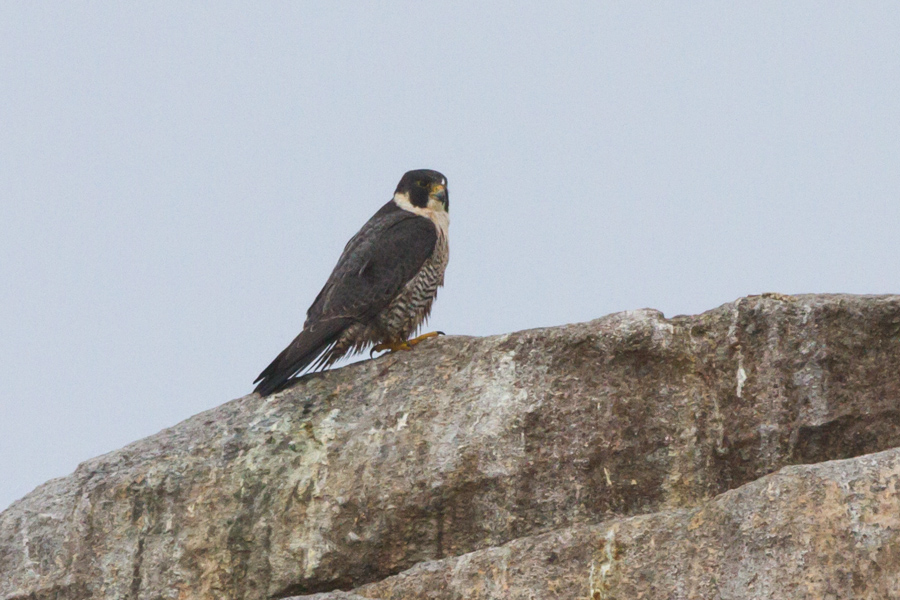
(300,353)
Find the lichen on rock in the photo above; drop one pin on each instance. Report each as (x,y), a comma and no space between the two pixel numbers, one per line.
(633,454)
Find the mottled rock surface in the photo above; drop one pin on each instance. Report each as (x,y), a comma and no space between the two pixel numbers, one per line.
(830,530)
(598,456)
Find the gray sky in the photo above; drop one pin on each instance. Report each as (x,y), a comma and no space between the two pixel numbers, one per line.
(177,180)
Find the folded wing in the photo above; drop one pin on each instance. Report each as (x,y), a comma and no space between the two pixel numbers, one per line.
(377,262)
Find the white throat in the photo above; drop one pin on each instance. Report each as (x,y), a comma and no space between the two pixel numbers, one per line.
(434,211)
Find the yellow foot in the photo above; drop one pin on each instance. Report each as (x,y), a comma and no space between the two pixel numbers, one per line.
(407,345)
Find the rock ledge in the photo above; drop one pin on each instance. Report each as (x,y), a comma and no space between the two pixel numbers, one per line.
(632,456)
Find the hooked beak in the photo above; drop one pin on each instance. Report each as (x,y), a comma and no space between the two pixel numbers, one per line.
(439,193)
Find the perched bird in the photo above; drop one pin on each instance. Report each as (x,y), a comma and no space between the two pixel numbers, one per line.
(383,286)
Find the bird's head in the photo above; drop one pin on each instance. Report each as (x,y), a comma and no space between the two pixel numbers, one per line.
(424,189)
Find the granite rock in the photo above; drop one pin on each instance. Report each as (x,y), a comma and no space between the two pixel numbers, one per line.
(466,445)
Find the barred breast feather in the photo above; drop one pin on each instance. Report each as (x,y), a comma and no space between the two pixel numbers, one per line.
(409,310)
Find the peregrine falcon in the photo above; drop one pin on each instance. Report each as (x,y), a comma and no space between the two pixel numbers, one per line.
(383,286)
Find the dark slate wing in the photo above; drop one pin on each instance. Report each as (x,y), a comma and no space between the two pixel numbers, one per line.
(377,262)
(387,252)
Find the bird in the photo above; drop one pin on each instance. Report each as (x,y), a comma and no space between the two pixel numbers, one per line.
(383,286)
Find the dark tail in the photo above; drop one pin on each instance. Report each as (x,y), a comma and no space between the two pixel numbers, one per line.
(305,348)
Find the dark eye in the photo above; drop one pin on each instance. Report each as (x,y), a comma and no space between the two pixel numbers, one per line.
(423,184)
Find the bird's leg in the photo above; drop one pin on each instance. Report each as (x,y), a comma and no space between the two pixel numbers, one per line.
(407,345)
